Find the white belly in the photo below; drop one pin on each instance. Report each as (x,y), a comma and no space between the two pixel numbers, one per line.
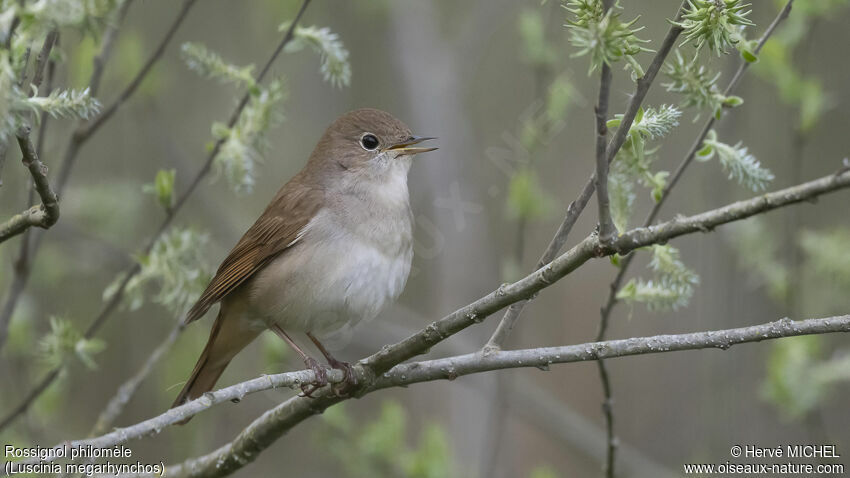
(335,276)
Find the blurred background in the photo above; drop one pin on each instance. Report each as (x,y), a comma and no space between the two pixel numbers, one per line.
(483,76)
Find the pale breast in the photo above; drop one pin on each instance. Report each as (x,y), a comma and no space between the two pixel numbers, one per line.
(346,267)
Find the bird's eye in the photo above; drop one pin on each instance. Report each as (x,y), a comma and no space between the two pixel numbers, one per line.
(369,141)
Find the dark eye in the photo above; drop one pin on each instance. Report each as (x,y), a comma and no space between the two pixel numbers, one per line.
(369,141)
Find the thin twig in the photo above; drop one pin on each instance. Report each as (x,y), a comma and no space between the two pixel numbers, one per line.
(20,280)
(607,230)
(87,130)
(688,159)
(126,391)
(47,213)
(42,60)
(117,297)
(614,287)
(576,207)
(21,265)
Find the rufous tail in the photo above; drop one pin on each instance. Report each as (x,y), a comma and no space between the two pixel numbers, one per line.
(220,349)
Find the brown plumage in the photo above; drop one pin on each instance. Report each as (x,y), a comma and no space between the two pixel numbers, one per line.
(333,180)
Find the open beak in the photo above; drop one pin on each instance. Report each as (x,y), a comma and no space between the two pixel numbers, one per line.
(405,146)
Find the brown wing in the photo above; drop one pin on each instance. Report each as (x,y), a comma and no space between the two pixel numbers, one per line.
(275,230)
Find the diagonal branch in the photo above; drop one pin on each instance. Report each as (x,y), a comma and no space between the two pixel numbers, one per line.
(439,369)
(614,287)
(574,210)
(118,296)
(273,423)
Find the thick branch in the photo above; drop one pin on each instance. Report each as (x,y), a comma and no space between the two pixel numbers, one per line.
(591,247)
(440,369)
(576,207)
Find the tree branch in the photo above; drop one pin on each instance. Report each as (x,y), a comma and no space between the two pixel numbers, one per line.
(20,279)
(369,371)
(607,230)
(86,131)
(117,297)
(614,287)
(281,417)
(574,210)
(45,214)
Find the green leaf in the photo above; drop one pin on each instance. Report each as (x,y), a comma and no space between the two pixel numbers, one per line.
(733,101)
(671,287)
(749,56)
(210,64)
(740,164)
(162,188)
(705,153)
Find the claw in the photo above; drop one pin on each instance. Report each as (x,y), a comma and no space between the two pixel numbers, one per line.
(308,389)
(349,380)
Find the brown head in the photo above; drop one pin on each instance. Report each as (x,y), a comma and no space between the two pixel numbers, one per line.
(366,138)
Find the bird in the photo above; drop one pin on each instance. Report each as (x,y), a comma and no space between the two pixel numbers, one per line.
(332,249)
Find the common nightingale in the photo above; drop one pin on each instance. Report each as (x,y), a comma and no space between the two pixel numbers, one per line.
(332,248)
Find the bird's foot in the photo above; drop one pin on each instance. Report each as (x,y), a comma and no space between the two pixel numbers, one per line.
(308,389)
(349,379)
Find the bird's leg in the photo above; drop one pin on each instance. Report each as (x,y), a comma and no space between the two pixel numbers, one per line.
(349,379)
(310,362)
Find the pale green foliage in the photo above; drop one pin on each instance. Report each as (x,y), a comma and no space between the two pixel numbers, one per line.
(162,188)
(539,128)
(535,49)
(779,66)
(64,342)
(602,36)
(560,96)
(714,23)
(798,379)
(66,103)
(176,267)
(335,66)
(827,255)
(242,146)
(759,253)
(379,449)
(9,94)
(634,160)
(526,198)
(697,85)
(671,287)
(15,106)
(738,163)
(41,15)
(622,197)
(210,65)
(654,123)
